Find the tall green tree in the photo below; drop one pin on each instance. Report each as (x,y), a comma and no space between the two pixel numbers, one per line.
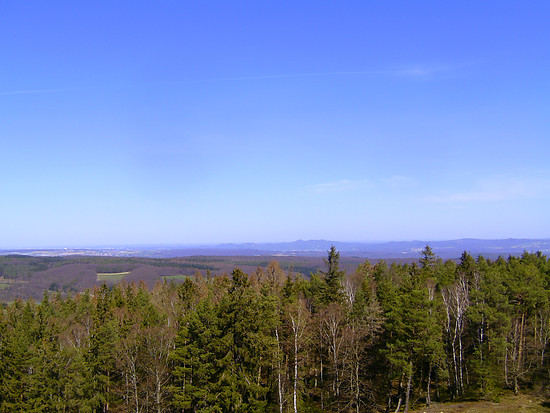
(526,295)
(333,277)
(201,360)
(223,352)
(489,323)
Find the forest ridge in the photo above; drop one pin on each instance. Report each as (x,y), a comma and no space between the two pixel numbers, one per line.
(381,337)
(447,249)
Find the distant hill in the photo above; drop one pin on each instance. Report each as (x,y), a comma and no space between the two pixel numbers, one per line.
(397,249)
(315,248)
(24,276)
(28,273)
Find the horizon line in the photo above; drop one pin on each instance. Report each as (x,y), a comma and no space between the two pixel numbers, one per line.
(165,245)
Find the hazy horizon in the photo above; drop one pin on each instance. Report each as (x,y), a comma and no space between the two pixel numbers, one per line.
(135,123)
(215,245)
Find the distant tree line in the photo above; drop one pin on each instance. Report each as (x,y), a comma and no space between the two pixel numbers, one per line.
(383,338)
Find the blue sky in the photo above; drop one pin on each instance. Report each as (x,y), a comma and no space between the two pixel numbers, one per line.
(135,122)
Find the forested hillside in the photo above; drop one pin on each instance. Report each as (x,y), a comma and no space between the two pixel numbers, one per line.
(27,277)
(381,337)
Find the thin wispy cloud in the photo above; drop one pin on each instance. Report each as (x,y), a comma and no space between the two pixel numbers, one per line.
(36,91)
(477,196)
(338,186)
(400,181)
(497,190)
(412,72)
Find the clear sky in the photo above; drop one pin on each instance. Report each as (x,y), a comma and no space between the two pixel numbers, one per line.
(143,122)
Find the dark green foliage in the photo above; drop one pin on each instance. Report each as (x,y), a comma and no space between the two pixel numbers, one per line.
(375,338)
(199,369)
(222,349)
(332,291)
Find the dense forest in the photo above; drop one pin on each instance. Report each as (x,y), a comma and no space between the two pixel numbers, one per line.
(24,276)
(380,338)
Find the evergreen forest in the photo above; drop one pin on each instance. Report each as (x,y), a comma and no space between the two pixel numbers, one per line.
(385,337)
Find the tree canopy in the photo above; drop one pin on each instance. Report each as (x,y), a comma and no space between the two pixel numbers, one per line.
(382,337)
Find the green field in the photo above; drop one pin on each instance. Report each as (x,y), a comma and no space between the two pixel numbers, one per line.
(111,276)
(4,286)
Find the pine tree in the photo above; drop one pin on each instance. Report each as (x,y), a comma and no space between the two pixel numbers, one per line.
(102,344)
(223,351)
(489,323)
(333,277)
(200,362)
(526,295)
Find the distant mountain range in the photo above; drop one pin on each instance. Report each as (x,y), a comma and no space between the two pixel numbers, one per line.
(396,249)
(313,248)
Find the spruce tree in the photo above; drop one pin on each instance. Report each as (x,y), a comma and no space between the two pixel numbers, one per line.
(333,277)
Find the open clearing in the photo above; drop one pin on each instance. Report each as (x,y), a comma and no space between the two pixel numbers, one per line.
(111,276)
(509,404)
